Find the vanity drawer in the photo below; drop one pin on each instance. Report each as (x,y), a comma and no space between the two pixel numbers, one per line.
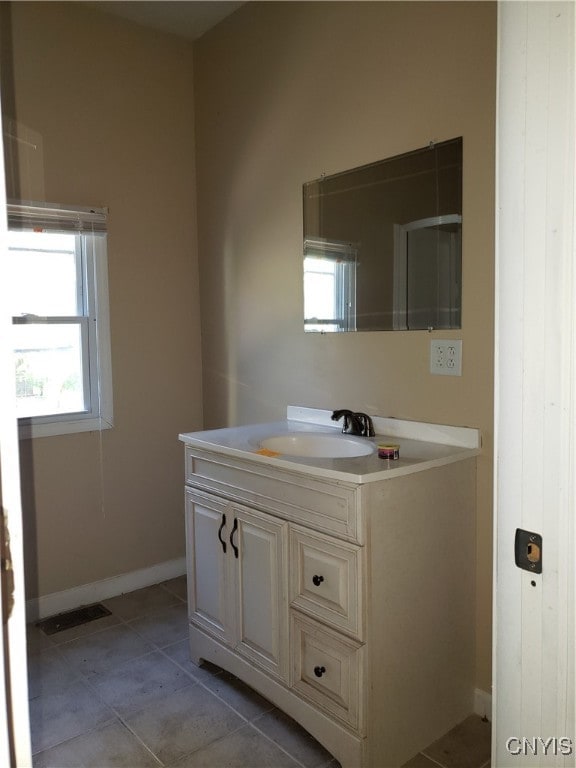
(326,506)
(326,579)
(326,669)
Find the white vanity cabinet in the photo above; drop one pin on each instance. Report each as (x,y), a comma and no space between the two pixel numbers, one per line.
(348,604)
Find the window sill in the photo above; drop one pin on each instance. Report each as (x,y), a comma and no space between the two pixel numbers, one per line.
(50,429)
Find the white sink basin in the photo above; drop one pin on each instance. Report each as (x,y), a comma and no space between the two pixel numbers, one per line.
(317,445)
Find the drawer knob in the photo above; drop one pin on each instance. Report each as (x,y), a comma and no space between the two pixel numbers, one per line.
(319,671)
(317,580)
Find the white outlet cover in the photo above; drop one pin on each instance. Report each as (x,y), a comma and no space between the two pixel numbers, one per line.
(446,357)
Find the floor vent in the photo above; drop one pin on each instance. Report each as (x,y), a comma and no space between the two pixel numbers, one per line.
(72,618)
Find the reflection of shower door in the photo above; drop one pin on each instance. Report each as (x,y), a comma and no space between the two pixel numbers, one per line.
(427,273)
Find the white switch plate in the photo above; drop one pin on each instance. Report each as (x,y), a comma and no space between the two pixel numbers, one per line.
(446,357)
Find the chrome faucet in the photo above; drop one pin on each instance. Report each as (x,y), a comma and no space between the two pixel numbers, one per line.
(354,423)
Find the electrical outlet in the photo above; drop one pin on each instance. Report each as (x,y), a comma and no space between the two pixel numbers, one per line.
(446,357)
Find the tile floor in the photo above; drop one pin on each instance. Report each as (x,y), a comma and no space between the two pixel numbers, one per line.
(121,692)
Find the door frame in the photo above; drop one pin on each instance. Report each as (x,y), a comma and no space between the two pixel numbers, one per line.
(15,750)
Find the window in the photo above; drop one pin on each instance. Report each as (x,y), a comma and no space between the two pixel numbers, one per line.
(329,286)
(61,339)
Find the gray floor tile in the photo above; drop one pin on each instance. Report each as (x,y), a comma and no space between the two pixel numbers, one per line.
(66,755)
(164,628)
(105,650)
(60,716)
(112,746)
(49,673)
(238,695)
(141,602)
(283,730)
(246,747)
(180,653)
(140,683)
(420,761)
(177,587)
(465,746)
(183,722)
(36,640)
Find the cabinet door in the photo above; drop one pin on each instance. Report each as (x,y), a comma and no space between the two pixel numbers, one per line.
(261,589)
(208,523)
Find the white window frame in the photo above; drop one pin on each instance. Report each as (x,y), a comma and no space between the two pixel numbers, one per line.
(90,228)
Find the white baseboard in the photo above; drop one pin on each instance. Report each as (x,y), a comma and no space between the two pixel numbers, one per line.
(86,594)
(483,704)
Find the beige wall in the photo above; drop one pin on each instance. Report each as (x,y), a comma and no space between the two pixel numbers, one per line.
(284,93)
(110,105)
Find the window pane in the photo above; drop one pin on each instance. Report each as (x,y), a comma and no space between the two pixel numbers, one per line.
(319,288)
(43,273)
(48,362)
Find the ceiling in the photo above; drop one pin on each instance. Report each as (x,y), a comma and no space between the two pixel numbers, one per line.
(185,18)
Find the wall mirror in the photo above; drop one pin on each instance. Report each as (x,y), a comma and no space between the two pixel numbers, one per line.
(383,244)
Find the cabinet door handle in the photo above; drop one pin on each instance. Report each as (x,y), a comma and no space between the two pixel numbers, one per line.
(234,529)
(220,539)
(317,580)
(319,671)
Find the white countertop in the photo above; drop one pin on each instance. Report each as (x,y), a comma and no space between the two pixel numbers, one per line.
(422,446)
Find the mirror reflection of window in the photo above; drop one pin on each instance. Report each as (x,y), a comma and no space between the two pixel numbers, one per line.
(329,286)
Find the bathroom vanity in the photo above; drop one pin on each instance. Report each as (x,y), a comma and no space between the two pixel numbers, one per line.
(341,589)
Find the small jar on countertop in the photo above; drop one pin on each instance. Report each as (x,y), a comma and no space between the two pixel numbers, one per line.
(389,451)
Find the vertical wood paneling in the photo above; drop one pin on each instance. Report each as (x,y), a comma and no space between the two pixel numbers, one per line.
(534,386)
